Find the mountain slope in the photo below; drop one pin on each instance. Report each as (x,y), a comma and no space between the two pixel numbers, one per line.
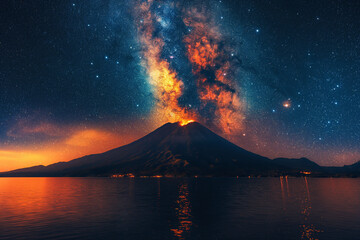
(169,150)
(302,164)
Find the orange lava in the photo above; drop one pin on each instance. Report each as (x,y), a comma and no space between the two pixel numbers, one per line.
(184,122)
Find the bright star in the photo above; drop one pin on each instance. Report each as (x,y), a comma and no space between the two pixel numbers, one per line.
(287,104)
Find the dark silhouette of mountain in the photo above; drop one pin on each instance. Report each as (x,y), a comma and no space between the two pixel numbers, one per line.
(175,150)
(302,164)
(172,150)
(355,165)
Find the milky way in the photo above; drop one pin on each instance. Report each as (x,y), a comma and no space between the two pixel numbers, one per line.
(189,64)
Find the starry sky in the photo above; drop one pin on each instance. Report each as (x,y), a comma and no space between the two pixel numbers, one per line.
(279,78)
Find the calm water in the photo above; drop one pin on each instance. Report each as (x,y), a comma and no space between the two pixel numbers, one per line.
(95,208)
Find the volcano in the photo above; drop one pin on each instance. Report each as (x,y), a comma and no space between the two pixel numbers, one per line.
(171,150)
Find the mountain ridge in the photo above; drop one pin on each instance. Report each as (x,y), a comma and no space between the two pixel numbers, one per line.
(176,150)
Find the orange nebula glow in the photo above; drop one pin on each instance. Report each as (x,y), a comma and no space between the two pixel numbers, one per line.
(167,87)
(204,52)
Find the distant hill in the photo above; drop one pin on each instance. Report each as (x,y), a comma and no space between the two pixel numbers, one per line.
(175,150)
(303,164)
(355,165)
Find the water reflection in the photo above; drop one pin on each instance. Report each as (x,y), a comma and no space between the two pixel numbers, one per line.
(153,209)
(183,213)
(287,186)
(308,230)
(282,192)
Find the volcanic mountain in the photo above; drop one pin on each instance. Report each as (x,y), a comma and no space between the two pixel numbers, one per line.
(171,150)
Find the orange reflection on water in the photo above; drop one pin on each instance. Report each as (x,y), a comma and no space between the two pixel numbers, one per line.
(15,201)
(282,190)
(283,196)
(183,212)
(287,186)
(308,230)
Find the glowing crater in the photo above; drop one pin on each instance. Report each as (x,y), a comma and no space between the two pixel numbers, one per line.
(184,122)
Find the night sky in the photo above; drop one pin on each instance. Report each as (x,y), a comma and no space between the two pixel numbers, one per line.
(279,78)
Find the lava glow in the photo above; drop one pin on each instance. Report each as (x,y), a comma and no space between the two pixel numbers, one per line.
(185,122)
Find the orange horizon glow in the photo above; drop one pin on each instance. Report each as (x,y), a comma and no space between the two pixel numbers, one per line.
(71,143)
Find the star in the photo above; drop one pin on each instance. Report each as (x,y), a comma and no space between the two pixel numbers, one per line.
(287,104)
